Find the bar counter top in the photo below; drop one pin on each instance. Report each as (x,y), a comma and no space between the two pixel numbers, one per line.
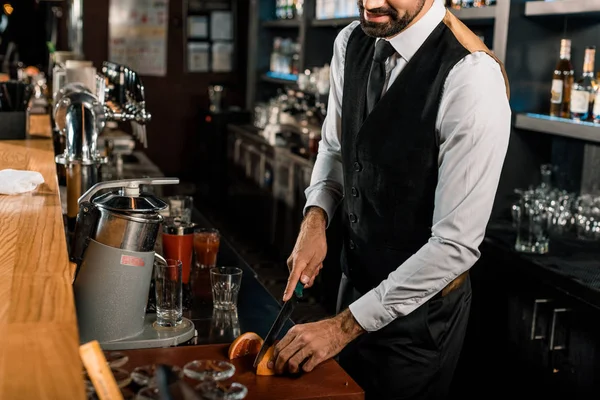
(40,341)
(572,266)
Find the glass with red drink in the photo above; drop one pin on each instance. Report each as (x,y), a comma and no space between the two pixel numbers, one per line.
(178,244)
(206,249)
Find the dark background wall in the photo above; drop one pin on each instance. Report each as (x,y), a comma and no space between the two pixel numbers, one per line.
(178,100)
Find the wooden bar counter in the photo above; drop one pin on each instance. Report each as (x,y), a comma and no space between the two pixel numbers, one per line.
(39,339)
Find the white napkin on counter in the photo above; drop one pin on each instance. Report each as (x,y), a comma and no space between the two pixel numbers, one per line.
(14,181)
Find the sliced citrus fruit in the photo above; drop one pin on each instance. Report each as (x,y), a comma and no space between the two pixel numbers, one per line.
(263,365)
(245,344)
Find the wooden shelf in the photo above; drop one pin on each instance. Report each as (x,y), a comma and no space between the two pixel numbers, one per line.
(282,23)
(334,22)
(587,131)
(583,8)
(481,14)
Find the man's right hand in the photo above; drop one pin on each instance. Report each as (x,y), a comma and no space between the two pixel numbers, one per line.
(310,250)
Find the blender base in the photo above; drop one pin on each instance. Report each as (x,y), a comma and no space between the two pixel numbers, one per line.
(154,336)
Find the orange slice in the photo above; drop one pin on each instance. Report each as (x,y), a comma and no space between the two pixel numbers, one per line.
(262,367)
(248,343)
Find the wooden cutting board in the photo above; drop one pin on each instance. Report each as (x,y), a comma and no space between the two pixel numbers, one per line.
(327,381)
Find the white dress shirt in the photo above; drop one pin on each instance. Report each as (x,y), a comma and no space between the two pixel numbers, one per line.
(473,125)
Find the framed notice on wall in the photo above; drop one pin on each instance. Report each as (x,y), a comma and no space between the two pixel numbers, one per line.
(137,35)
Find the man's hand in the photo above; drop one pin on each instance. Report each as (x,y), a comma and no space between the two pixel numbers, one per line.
(310,250)
(308,345)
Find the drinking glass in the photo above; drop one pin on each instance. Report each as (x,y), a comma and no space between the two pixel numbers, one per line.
(212,390)
(168,288)
(531,220)
(225,283)
(206,246)
(180,207)
(178,244)
(211,370)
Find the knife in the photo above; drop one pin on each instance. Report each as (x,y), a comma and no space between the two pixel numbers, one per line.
(284,314)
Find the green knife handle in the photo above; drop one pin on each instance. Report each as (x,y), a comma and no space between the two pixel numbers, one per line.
(299,291)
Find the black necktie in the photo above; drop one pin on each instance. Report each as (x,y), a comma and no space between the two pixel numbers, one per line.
(383,50)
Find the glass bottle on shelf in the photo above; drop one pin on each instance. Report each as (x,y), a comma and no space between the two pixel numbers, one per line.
(290,9)
(596,109)
(562,82)
(490,2)
(584,90)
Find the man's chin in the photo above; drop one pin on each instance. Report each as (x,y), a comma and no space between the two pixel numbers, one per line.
(375,29)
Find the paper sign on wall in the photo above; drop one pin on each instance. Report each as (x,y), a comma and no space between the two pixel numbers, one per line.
(138,35)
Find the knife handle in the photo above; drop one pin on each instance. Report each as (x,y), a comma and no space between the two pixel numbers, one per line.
(299,291)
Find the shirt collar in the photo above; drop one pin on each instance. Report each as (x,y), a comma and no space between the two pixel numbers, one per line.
(410,40)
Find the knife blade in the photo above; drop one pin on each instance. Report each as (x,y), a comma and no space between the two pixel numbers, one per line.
(284,314)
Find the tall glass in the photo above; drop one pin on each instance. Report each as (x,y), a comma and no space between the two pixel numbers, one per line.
(178,244)
(169,309)
(532,222)
(206,248)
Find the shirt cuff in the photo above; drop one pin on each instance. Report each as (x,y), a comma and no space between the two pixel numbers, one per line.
(322,199)
(370,313)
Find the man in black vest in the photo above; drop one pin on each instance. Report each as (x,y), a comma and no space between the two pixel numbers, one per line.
(413,147)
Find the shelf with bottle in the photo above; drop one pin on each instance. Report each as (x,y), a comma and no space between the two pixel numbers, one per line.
(575,99)
(473,10)
(284,63)
(288,10)
(574,104)
(583,8)
(541,123)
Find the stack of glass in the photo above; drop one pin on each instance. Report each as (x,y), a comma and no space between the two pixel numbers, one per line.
(545,210)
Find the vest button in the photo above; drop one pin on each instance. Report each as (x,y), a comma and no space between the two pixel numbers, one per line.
(353,218)
(351,245)
(357,166)
(354,191)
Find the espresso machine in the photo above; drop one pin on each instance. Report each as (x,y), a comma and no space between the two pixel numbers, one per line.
(80,115)
(113,248)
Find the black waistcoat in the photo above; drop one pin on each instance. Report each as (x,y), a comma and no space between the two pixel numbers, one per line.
(390,157)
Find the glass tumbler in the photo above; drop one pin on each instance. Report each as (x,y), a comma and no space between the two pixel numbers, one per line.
(531,219)
(225,283)
(168,288)
(206,247)
(178,244)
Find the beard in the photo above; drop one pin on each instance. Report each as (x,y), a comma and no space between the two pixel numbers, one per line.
(394,26)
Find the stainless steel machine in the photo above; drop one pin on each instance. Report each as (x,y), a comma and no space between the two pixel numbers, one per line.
(113,248)
(80,115)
